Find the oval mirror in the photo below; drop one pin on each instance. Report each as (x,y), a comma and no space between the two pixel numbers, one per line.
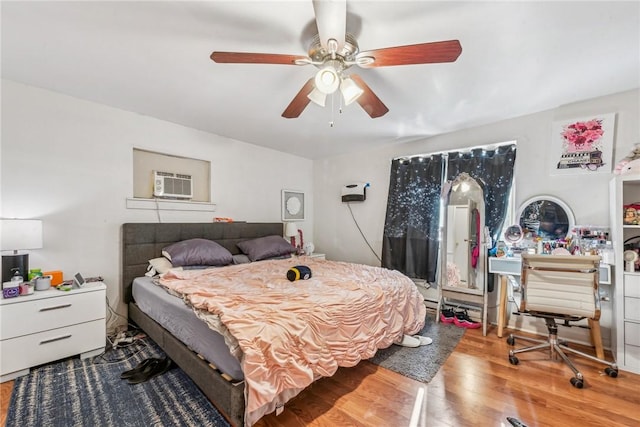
(547,217)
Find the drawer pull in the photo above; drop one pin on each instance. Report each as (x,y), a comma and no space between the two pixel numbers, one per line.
(55,339)
(55,307)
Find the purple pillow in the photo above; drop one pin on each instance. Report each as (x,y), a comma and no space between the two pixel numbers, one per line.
(197,252)
(266,247)
(241,259)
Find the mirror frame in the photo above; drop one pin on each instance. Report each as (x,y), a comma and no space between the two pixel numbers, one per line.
(551,199)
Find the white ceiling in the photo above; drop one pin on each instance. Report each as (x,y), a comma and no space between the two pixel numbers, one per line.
(152,58)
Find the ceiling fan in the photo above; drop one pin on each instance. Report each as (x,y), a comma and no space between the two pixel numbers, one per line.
(333,51)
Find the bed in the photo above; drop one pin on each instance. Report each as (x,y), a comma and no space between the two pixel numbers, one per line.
(175,322)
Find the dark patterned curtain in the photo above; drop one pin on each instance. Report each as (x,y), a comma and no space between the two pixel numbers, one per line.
(411,231)
(493,169)
(410,238)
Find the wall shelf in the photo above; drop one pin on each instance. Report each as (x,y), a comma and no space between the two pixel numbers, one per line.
(169,205)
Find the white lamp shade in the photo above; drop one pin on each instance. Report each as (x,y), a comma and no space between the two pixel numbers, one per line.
(350,90)
(16,234)
(291,229)
(317,97)
(327,80)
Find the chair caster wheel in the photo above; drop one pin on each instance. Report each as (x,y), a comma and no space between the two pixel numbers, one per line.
(577,383)
(513,360)
(613,373)
(511,340)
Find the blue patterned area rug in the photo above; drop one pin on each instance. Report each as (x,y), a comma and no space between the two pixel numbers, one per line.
(422,363)
(89,392)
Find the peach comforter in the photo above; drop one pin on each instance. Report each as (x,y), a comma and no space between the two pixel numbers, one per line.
(292,333)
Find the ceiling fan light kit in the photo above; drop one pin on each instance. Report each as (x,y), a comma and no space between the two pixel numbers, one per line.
(350,90)
(333,50)
(327,79)
(317,97)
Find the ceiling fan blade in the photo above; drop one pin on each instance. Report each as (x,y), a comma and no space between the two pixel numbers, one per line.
(369,101)
(299,102)
(423,53)
(258,58)
(331,20)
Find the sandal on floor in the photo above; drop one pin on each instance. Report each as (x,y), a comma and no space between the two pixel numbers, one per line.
(409,341)
(423,340)
(156,367)
(138,369)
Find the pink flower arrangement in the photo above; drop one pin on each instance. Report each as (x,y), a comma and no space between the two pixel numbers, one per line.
(580,136)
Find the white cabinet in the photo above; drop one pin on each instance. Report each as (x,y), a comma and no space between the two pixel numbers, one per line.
(625,190)
(51,325)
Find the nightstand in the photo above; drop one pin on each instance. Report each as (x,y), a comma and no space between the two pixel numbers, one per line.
(51,325)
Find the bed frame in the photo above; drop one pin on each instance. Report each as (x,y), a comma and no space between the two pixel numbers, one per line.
(144,241)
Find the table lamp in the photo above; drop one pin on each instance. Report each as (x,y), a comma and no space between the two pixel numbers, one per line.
(291,230)
(17,235)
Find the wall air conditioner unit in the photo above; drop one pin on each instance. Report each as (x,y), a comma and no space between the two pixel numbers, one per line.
(169,185)
(355,192)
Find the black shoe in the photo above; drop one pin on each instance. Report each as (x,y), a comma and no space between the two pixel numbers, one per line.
(139,368)
(462,320)
(156,367)
(447,315)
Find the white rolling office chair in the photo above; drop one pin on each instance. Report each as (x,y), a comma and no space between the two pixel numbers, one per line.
(561,287)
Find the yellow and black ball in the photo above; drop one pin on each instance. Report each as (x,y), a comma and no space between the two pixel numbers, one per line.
(299,272)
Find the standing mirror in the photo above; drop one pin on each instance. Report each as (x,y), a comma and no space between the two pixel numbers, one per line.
(463,263)
(463,248)
(547,217)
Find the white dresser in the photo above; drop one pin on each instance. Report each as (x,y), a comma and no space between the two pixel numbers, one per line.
(51,325)
(625,190)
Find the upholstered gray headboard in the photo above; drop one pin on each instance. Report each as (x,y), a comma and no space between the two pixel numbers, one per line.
(144,241)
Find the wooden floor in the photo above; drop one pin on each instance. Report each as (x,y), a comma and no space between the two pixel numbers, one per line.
(476,387)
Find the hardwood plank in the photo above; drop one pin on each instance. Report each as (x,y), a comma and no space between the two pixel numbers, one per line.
(5,397)
(476,386)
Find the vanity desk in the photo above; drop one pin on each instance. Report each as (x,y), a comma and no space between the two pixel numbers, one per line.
(512,266)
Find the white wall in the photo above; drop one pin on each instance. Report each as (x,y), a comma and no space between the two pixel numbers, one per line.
(69,162)
(587,195)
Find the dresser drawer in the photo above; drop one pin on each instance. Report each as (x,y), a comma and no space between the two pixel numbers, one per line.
(632,285)
(30,316)
(632,333)
(35,349)
(505,265)
(632,308)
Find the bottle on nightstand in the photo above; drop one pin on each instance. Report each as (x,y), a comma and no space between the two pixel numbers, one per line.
(309,248)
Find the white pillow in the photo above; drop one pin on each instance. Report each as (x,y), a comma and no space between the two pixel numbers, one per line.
(161,265)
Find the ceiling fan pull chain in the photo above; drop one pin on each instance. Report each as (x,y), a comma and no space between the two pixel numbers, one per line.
(332,109)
